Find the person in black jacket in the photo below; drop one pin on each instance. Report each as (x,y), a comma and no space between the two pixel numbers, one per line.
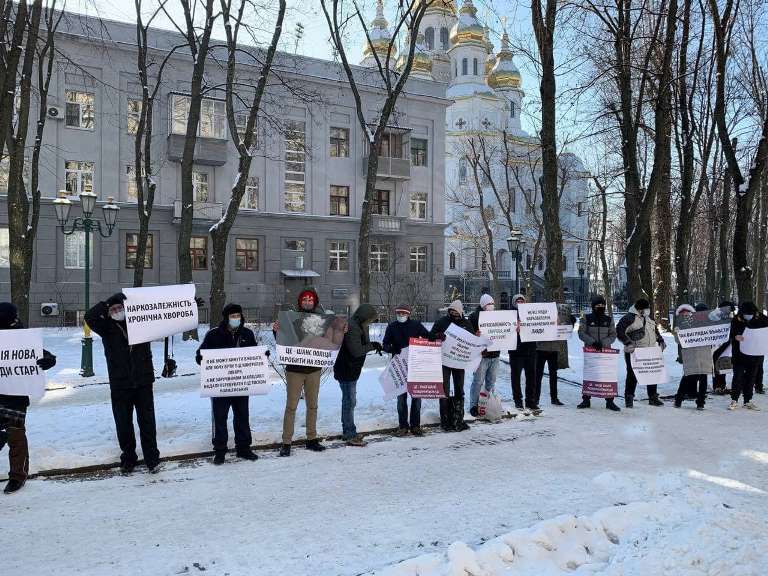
(131,376)
(13,412)
(348,366)
(718,380)
(452,406)
(485,374)
(745,366)
(230,333)
(598,331)
(523,359)
(396,337)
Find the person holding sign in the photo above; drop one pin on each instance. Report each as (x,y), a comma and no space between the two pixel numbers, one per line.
(745,366)
(597,331)
(349,365)
(723,362)
(230,333)
(637,329)
(13,412)
(396,339)
(696,361)
(131,376)
(452,406)
(554,354)
(523,359)
(485,375)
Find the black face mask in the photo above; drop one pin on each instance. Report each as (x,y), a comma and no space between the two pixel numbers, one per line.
(599,310)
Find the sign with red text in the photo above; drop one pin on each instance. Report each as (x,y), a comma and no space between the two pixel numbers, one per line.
(425,370)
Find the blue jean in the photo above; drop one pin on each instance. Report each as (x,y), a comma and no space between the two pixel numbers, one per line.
(485,374)
(348,402)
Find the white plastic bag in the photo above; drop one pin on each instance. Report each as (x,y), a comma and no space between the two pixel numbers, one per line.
(489,406)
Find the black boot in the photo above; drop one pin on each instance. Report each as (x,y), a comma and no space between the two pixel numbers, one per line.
(218,457)
(655,401)
(285,450)
(629,401)
(446,415)
(556,402)
(3,438)
(13,485)
(247,454)
(315,445)
(611,405)
(458,414)
(585,403)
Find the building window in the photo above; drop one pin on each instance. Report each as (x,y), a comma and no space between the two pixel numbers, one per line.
(429,36)
(198,251)
(78,177)
(418,259)
(452,261)
(463,171)
(338,257)
(541,263)
(578,250)
(80,110)
(391,145)
(134,115)
(455,69)
(295,250)
(246,254)
(464,67)
(474,66)
(579,209)
(418,206)
(5,249)
(380,203)
(419,152)
(339,200)
(74,252)
(444,38)
(339,142)
(512,109)
(213,118)
(200,186)
(528,261)
(131,246)
(295,156)
(250,199)
(379,257)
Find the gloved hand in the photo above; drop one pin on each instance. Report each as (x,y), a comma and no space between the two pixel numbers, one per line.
(47,362)
(440,336)
(597,345)
(484,353)
(198,358)
(377,347)
(267,354)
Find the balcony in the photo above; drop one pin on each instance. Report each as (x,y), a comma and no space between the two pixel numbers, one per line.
(207,211)
(388,225)
(208,151)
(391,168)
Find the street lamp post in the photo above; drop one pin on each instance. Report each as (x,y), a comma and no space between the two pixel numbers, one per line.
(580,262)
(516,244)
(88,225)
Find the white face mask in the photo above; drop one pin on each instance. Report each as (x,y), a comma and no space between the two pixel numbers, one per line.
(748,317)
(234,323)
(118,316)
(402,317)
(646,313)
(489,307)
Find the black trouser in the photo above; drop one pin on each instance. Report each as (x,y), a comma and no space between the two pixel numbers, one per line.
(548,359)
(12,425)
(745,370)
(759,379)
(402,411)
(631,384)
(240,422)
(124,401)
(692,382)
(452,406)
(718,382)
(527,364)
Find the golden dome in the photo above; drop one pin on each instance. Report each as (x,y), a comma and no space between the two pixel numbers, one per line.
(380,36)
(504,74)
(422,61)
(468,29)
(447,7)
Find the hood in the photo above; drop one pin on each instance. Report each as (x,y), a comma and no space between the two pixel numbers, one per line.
(683,308)
(632,310)
(232,309)
(365,313)
(307,292)
(9,316)
(747,308)
(597,300)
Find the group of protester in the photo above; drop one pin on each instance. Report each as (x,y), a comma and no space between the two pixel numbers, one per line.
(131,372)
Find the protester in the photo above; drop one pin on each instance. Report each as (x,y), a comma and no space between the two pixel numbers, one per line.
(13,412)
(485,375)
(349,365)
(523,359)
(396,338)
(696,361)
(745,366)
(131,376)
(452,405)
(300,379)
(598,331)
(637,329)
(230,333)
(718,380)
(554,355)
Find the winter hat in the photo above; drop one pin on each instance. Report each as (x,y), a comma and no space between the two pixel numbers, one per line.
(8,313)
(516,297)
(747,308)
(231,309)
(597,300)
(312,294)
(727,304)
(485,299)
(117,298)
(403,308)
(457,306)
(701,307)
(642,304)
(683,308)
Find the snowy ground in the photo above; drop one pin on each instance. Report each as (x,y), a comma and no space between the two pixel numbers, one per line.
(649,491)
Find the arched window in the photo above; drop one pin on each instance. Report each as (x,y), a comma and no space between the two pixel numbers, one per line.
(474,66)
(512,110)
(455,68)
(429,35)
(444,38)
(464,67)
(463,171)
(452,261)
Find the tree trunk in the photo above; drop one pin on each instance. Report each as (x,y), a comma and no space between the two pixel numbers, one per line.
(724,268)
(710,289)
(364,233)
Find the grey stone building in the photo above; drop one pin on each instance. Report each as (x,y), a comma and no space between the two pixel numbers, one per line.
(299,221)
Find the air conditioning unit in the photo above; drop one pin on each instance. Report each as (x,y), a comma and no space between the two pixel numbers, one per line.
(49,309)
(55,112)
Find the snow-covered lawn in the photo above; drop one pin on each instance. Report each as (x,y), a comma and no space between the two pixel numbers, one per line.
(649,491)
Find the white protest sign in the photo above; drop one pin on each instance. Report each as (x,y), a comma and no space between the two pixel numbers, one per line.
(601,372)
(234,372)
(19,373)
(308,339)
(648,366)
(713,335)
(394,379)
(538,322)
(564,331)
(755,342)
(500,327)
(425,370)
(155,312)
(461,349)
